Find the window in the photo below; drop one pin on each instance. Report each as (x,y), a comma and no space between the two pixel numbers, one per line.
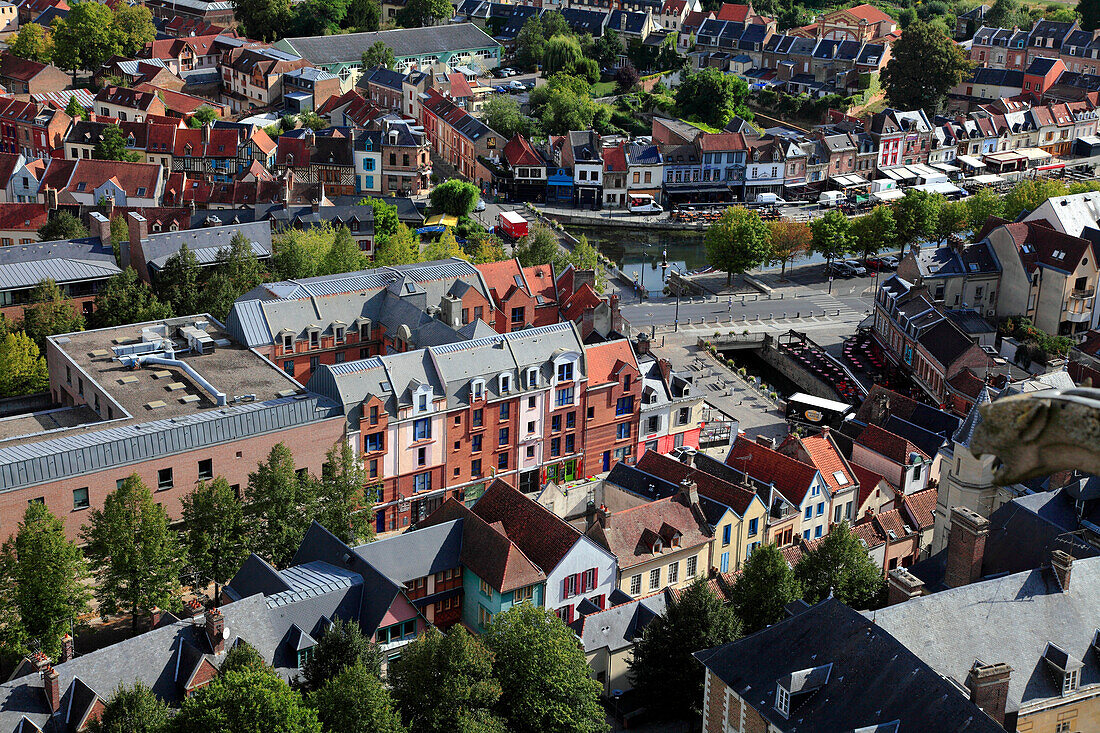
(817,531)
(555,447)
(570,443)
(505,383)
(726,534)
(625,405)
(683,416)
(80,499)
(518,316)
(820,508)
(475,444)
(479,312)
(373,442)
(164,479)
(524,594)
(565,371)
(622,431)
(754,525)
(475,468)
(288,367)
(673,573)
(422,482)
(422,429)
(531,402)
(502,438)
(421,457)
(206,470)
(635,585)
(654,578)
(569,586)
(486,590)
(591,413)
(782,700)
(476,421)
(338,334)
(373,469)
(836,513)
(564,396)
(555,423)
(374,415)
(1069,682)
(692,562)
(314,362)
(570,420)
(505,411)
(502,461)
(484,618)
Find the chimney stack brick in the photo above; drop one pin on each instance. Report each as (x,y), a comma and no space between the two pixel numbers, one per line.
(66,649)
(1062,564)
(988,685)
(965,547)
(52,686)
(902,586)
(215,626)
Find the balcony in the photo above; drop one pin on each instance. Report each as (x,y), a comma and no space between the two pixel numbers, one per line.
(1082,293)
(1072,317)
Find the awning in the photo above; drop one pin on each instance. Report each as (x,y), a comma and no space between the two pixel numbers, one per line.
(849,181)
(938,187)
(986,179)
(1051,167)
(1005,156)
(924,171)
(889,194)
(893,173)
(1033,154)
(946,167)
(970,161)
(444,220)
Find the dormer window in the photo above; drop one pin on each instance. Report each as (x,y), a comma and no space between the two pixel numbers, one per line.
(477,390)
(565,371)
(1069,682)
(314,338)
(338,333)
(532,378)
(657,546)
(505,383)
(288,343)
(422,403)
(1065,670)
(782,700)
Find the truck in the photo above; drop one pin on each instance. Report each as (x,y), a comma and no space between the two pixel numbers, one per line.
(511,224)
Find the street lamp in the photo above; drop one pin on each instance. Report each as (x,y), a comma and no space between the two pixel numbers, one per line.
(664,267)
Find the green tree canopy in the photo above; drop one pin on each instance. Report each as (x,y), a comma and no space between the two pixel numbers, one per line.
(132,710)
(832,237)
(561,53)
(544,679)
(925,64)
(565,103)
(983,204)
(916,215)
(608,48)
(214,533)
(840,566)
(133,25)
(75,109)
(443,247)
(133,553)
(62,225)
(1002,14)
(419,13)
(246,701)
(126,298)
(355,701)
(22,366)
(789,239)
(712,97)
(236,271)
(343,254)
(502,113)
(738,241)
(765,586)
(385,217)
(400,248)
(112,146)
(874,232)
(34,43)
(178,282)
(342,646)
(341,503)
(204,115)
(487,248)
(379,54)
(275,498)
(454,666)
(262,19)
(663,670)
(1028,195)
(539,247)
(454,197)
(86,37)
(45,573)
(50,313)
(364,16)
(242,655)
(954,217)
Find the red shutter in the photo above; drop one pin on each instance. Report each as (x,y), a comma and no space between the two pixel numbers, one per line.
(578,583)
(595,577)
(565,587)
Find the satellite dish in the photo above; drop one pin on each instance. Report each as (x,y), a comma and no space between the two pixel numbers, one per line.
(225,633)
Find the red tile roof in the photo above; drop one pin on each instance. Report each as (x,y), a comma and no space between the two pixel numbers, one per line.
(540,278)
(869,13)
(502,277)
(885,443)
(695,18)
(825,456)
(519,152)
(792,478)
(584,299)
(614,159)
(125,97)
(539,533)
(8,163)
(174,47)
(736,498)
(129,176)
(868,531)
(735,12)
(722,141)
(22,217)
(920,506)
(673,7)
(967,382)
(892,521)
(632,531)
(14,67)
(184,104)
(606,360)
(460,88)
(868,481)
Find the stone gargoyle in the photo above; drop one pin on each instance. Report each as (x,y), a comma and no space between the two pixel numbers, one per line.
(1038,433)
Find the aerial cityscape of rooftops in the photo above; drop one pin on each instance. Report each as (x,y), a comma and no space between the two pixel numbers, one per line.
(549,366)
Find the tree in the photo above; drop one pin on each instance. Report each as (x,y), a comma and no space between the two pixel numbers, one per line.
(379,54)
(46,574)
(343,255)
(134,27)
(608,48)
(530,43)
(62,225)
(262,19)
(502,113)
(34,43)
(214,533)
(355,701)
(954,217)
(765,586)
(916,214)
(86,37)
(738,241)
(874,232)
(178,282)
(242,655)
(385,217)
(840,566)
(453,666)
(454,197)
(291,259)
(236,270)
(132,710)
(132,551)
(1089,10)
(539,247)
(50,313)
(341,503)
(275,497)
(832,235)
(1029,195)
(112,146)
(663,670)
(1002,14)
(561,53)
(712,97)
(923,68)
(204,115)
(22,366)
(565,103)
(364,15)
(486,248)
(982,205)
(75,109)
(400,248)
(246,701)
(342,646)
(583,255)
(125,298)
(544,679)
(626,78)
(419,13)
(790,239)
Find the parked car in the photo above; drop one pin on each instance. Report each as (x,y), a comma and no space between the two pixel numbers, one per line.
(839,269)
(501,72)
(891,262)
(516,86)
(507,71)
(480,205)
(873,264)
(857,268)
(501,90)
(530,84)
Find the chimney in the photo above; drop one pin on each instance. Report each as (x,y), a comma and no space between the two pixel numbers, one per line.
(580,277)
(133,254)
(765,441)
(66,649)
(690,491)
(315,205)
(902,585)
(193,609)
(1061,562)
(642,346)
(988,685)
(965,547)
(588,322)
(206,133)
(603,516)
(39,661)
(51,199)
(622,21)
(616,315)
(109,207)
(52,687)
(100,226)
(451,311)
(215,628)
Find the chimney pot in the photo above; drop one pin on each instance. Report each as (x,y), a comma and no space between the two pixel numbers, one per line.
(965,547)
(66,649)
(1062,564)
(215,628)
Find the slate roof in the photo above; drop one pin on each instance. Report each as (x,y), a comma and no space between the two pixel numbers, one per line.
(415,554)
(628,530)
(347,48)
(1010,620)
(885,443)
(619,627)
(64,261)
(737,498)
(206,242)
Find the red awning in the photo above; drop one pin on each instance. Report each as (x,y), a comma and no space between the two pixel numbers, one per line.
(1051,167)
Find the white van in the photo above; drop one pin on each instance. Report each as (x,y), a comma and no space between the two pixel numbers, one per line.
(829,199)
(769,198)
(643,203)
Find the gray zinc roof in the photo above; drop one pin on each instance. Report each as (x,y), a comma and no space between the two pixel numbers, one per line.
(415,554)
(206,242)
(323,50)
(617,628)
(63,261)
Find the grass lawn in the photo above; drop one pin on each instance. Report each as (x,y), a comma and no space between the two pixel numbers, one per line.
(603,89)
